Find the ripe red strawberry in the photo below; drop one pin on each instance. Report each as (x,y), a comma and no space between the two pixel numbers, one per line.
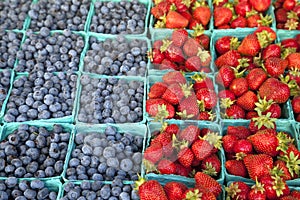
(202,14)
(175,190)
(272,50)
(165,139)
(211,165)
(209,98)
(153,153)
(185,157)
(225,76)
(205,115)
(250,46)
(255,78)
(157,56)
(205,181)
(295,194)
(260,5)
(243,146)
(222,16)
(274,109)
(176,92)
(175,20)
(229,58)
(150,190)
(289,4)
(202,81)
(238,190)
(274,89)
(188,107)
(172,129)
(179,37)
(257,192)
(235,112)
(241,132)
(166,167)
(174,77)
(253,20)
(191,47)
(229,143)
(275,187)
(190,133)
(290,43)
(226,94)
(157,90)
(275,66)
(247,100)
(239,22)
(226,43)
(166,64)
(193,64)
(294,61)
(181,6)
(281,15)
(203,40)
(242,7)
(258,165)
(172,52)
(155,107)
(182,171)
(236,167)
(239,86)
(157,44)
(251,114)
(296,104)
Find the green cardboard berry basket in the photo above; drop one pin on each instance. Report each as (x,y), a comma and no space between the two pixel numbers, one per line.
(161,34)
(281,125)
(154,78)
(127,78)
(136,130)
(103,37)
(210,25)
(65,119)
(8,129)
(145,2)
(154,126)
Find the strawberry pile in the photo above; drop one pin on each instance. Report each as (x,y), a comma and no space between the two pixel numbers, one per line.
(253,75)
(175,97)
(205,188)
(182,52)
(241,13)
(264,189)
(287,13)
(261,155)
(175,14)
(183,151)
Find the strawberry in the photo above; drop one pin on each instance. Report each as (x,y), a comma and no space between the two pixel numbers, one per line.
(176,92)
(205,58)
(222,16)
(274,89)
(211,165)
(250,46)
(290,43)
(205,115)
(251,114)
(238,190)
(203,40)
(182,5)
(172,52)
(185,157)
(160,108)
(225,76)
(258,165)
(190,133)
(274,109)
(275,66)
(229,142)
(275,187)
(236,168)
(208,97)
(239,22)
(156,12)
(205,181)
(165,139)
(153,153)
(255,78)
(260,5)
(226,94)
(235,112)
(289,4)
(296,104)
(157,56)
(229,58)
(257,192)
(188,107)
(174,77)
(179,37)
(295,194)
(182,171)
(202,15)
(172,129)
(187,15)
(193,64)
(241,132)
(247,100)
(253,20)
(166,167)
(157,90)
(281,15)
(272,50)
(191,47)
(175,190)
(243,146)
(239,86)
(226,43)
(150,190)
(202,81)
(175,20)
(281,165)
(294,61)
(242,7)
(166,64)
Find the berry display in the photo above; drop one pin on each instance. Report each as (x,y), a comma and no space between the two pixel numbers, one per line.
(34,152)
(105,156)
(124,17)
(59,15)
(117,57)
(50,52)
(110,100)
(41,96)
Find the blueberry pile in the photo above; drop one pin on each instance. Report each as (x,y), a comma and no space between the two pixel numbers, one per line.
(9,45)
(59,14)
(11,188)
(116,57)
(50,52)
(119,17)
(105,156)
(41,95)
(110,100)
(13,14)
(31,151)
(97,190)
(4,84)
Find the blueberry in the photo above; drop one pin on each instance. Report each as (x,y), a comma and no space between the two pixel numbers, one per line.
(11,182)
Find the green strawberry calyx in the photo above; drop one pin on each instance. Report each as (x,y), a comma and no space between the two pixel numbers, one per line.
(258,187)
(263,104)
(166,43)
(234,43)
(232,190)
(226,102)
(198,30)
(193,195)
(292,163)
(184,115)
(209,169)
(284,141)
(162,113)
(265,20)
(264,120)
(139,182)
(213,139)
(278,185)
